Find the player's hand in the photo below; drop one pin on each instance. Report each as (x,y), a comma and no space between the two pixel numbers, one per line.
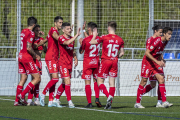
(80,41)
(164,62)
(78,32)
(161,63)
(41,32)
(84,25)
(38,57)
(95,33)
(41,42)
(72,27)
(75,62)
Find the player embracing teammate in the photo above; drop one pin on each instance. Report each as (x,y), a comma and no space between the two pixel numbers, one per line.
(152,66)
(111,45)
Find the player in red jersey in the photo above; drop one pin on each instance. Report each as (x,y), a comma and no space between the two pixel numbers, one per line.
(26,62)
(145,69)
(90,64)
(66,47)
(51,59)
(153,57)
(111,45)
(38,50)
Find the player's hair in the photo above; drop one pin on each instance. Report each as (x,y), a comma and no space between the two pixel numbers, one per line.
(92,25)
(112,24)
(65,24)
(31,21)
(166,29)
(57,18)
(36,27)
(156,27)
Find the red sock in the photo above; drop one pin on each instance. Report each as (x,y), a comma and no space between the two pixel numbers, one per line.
(103,89)
(88,93)
(60,90)
(51,93)
(18,91)
(27,89)
(30,94)
(36,91)
(162,90)
(68,91)
(159,94)
(112,91)
(147,89)
(96,90)
(139,94)
(49,85)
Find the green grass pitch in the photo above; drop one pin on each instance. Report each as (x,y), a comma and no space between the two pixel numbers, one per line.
(122,108)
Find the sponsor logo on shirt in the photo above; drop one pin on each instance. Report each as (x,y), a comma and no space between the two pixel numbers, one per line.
(156,41)
(22,34)
(111,41)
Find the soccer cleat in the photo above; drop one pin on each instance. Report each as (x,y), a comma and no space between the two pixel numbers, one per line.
(110,98)
(50,104)
(166,104)
(170,104)
(98,103)
(138,105)
(89,105)
(30,104)
(57,103)
(22,100)
(71,105)
(17,103)
(109,107)
(41,98)
(37,102)
(158,105)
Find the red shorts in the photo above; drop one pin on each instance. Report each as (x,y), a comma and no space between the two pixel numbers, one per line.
(39,66)
(52,66)
(65,71)
(87,72)
(156,70)
(152,78)
(108,68)
(145,72)
(28,68)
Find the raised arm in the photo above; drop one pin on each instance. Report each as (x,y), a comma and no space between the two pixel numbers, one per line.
(72,39)
(95,34)
(84,31)
(121,52)
(80,49)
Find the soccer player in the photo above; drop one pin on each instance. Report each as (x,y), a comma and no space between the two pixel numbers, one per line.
(111,45)
(155,66)
(51,59)
(38,50)
(90,64)
(67,53)
(26,63)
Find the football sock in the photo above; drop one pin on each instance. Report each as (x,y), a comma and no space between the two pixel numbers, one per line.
(88,93)
(51,92)
(147,89)
(112,91)
(60,90)
(103,89)
(36,90)
(18,91)
(96,90)
(163,92)
(49,85)
(27,89)
(139,94)
(30,94)
(159,94)
(68,91)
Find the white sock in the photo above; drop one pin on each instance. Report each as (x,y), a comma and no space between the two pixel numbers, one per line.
(159,102)
(70,102)
(50,102)
(29,100)
(36,99)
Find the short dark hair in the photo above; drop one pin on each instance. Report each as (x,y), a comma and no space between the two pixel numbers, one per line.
(57,18)
(36,27)
(156,27)
(166,29)
(92,25)
(31,21)
(65,24)
(112,24)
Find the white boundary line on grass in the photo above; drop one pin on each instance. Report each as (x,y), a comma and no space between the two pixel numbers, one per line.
(109,111)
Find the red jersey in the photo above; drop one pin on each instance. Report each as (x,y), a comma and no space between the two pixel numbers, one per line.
(148,42)
(156,47)
(53,50)
(37,41)
(111,45)
(91,54)
(26,36)
(66,52)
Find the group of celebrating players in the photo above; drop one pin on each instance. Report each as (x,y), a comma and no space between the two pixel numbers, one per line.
(59,59)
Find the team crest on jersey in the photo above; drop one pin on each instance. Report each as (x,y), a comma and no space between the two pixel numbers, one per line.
(31,39)
(151,47)
(113,36)
(159,68)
